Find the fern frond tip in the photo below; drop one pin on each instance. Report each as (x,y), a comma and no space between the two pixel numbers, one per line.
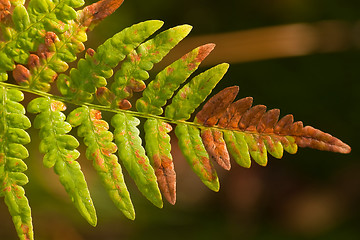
(129,214)
(317,139)
(186,28)
(253,131)
(214,185)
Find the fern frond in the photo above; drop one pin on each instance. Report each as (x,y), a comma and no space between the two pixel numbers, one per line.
(100,150)
(192,147)
(133,156)
(38,41)
(183,104)
(134,69)
(154,98)
(158,148)
(12,134)
(60,153)
(97,66)
(213,139)
(168,80)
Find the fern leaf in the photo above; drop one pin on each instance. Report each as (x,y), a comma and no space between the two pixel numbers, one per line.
(183,104)
(58,50)
(257,149)
(195,153)
(238,148)
(12,137)
(52,14)
(132,155)
(96,12)
(60,153)
(251,131)
(42,67)
(97,66)
(134,69)
(154,98)
(194,93)
(212,138)
(158,149)
(215,145)
(100,150)
(18,205)
(167,81)
(215,107)
(29,25)
(20,18)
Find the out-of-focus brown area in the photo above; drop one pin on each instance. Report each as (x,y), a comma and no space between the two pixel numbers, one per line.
(289,40)
(301,56)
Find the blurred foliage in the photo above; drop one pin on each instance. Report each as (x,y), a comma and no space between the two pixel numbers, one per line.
(312,195)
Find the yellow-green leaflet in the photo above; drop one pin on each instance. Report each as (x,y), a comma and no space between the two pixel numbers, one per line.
(101,149)
(195,92)
(60,153)
(13,123)
(132,155)
(194,151)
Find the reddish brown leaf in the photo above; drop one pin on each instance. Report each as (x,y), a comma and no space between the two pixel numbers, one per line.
(215,146)
(296,129)
(166,177)
(33,61)
(317,139)
(21,74)
(209,116)
(284,125)
(158,148)
(90,52)
(251,118)
(43,50)
(50,38)
(124,104)
(96,12)
(136,85)
(4,8)
(105,96)
(233,114)
(216,106)
(268,121)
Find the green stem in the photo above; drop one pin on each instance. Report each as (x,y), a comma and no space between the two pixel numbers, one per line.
(3,134)
(132,113)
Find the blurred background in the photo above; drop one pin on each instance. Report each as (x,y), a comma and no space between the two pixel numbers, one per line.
(301,56)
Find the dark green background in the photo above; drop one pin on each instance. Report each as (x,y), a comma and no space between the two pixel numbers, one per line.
(310,195)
